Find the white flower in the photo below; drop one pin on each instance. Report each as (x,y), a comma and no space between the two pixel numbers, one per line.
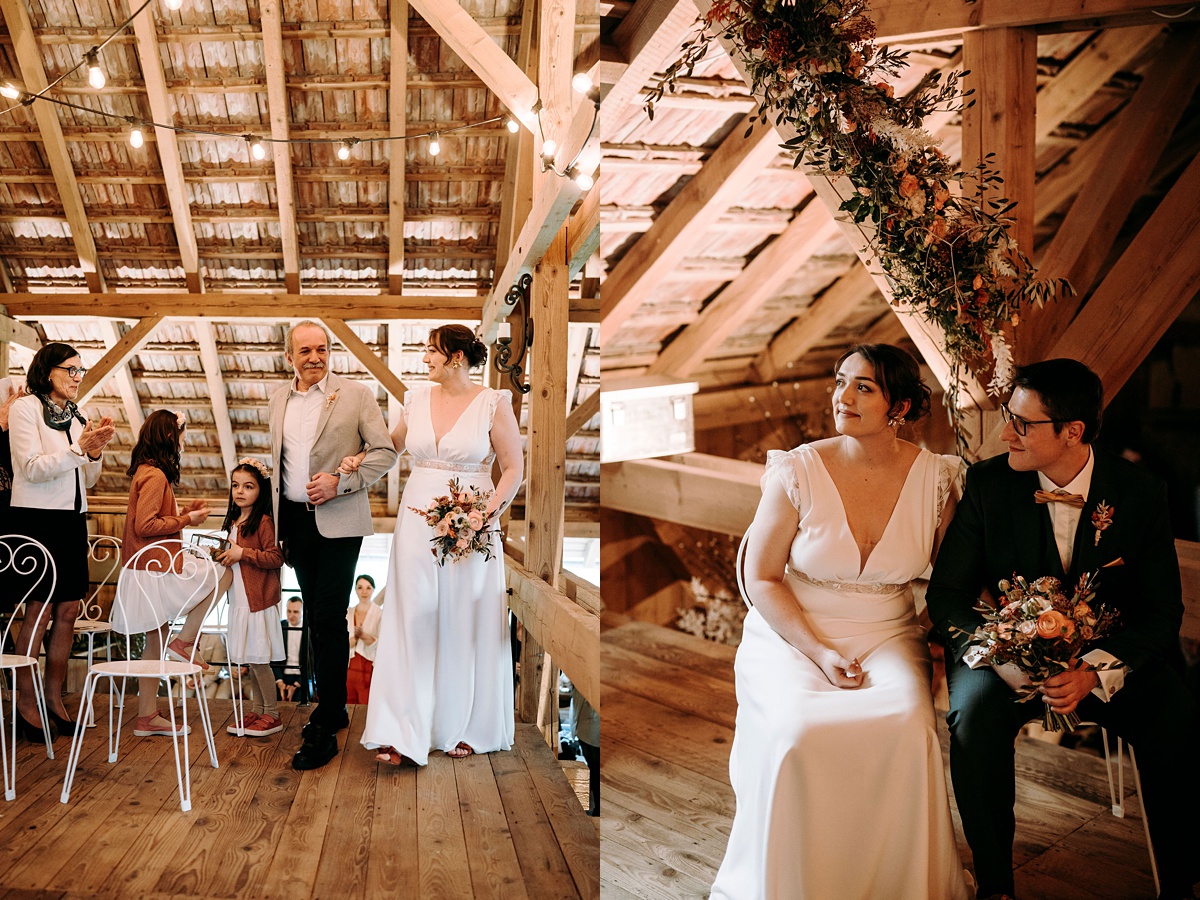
(1002,375)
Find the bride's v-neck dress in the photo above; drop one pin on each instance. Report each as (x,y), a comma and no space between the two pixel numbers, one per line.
(443,668)
(841,793)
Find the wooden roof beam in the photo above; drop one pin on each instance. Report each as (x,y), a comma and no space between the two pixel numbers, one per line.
(695,489)
(583,231)
(126,386)
(397,127)
(739,300)
(210,362)
(835,304)
(277,102)
(162,110)
(54,145)
(117,357)
(13,331)
(658,252)
(462,34)
(916,20)
(647,37)
(1124,166)
(583,413)
(365,355)
(740,405)
(517,196)
(1156,277)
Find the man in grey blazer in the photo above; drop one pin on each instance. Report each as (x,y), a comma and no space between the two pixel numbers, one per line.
(322,515)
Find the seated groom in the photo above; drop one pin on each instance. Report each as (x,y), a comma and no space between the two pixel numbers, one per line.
(1032,512)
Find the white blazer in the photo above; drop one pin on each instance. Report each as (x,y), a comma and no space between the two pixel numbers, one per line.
(45,469)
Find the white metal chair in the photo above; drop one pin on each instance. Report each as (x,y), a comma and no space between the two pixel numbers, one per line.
(739,569)
(1117,793)
(28,567)
(104,561)
(161,560)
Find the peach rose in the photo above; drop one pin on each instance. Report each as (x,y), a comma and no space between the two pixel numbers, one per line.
(442,528)
(462,543)
(475,520)
(938,228)
(909,185)
(1054,624)
(1028,628)
(940,195)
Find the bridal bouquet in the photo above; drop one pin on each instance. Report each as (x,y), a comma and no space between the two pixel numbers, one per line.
(1041,630)
(458,520)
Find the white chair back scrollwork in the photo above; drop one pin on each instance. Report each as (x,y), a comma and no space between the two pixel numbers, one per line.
(27,570)
(104,560)
(157,585)
(740,570)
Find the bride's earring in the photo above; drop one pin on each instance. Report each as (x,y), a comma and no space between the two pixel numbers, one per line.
(896,422)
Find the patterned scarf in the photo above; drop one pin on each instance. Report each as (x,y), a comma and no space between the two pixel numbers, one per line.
(59,417)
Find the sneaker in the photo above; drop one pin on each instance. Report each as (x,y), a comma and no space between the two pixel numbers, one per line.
(264,725)
(247,723)
(181,652)
(156,725)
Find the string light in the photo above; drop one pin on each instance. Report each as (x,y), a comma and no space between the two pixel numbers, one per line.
(136,138)
(173,4)
(347,145)
(10,90)
(581,83)
(257,149)
(548,150)
(581,178)
(95,74)
(512,124)
(434,147)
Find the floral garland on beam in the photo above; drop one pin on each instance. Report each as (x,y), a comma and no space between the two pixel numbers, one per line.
(948,255)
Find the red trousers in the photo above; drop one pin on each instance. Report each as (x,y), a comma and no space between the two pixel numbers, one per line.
(358,678)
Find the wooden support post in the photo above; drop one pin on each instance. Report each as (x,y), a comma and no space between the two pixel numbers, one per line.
(394,413)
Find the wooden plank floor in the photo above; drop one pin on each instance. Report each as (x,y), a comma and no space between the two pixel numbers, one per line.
(669,708)
(502,825)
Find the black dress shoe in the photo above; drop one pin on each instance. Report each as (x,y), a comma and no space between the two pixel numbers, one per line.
(32,732)
(315,752)
(66,727)
(313,725)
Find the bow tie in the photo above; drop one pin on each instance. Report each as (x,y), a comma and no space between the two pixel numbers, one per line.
(1060,496)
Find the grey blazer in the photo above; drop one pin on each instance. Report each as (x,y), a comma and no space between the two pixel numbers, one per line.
(350,421)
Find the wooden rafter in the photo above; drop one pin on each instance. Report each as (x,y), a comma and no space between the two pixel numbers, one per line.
(277,101)
(1153,281)
(583,413)
(915,20)
(517,198)
(397,127)
(461,33)
(733,165)
(648,36)
(210,361)
(13,331)
(739,300)
(126,386)
(161,109)
(822,316)
(1087,234)
(29,58)
(740,405)
(117,356)
(577,341)
(365,355)
(583,231)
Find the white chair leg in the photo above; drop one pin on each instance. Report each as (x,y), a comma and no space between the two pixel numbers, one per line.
(1116,794)
(239,712)
(40,696)
(9,744)
(206,721)
(85,702)
(182,772)
(114,730)
(1137,782)
(89,721)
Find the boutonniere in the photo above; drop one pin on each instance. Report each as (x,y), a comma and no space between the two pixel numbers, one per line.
(331,400)
(1102,517)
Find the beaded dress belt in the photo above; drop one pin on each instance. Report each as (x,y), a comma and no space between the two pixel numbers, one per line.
(483,468)
(849,587)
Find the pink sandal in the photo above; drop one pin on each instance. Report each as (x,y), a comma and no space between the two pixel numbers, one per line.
(461,751)
(389,755)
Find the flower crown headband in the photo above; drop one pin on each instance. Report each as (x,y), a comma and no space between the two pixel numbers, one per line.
(256,464)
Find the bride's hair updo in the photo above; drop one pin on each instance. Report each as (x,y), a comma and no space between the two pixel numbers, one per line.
(898,375)
(452,338)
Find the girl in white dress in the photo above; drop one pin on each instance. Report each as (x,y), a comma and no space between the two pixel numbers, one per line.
(835,762)
(443,675)
(255,632)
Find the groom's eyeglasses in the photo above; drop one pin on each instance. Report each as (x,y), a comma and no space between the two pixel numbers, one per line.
(1021,426)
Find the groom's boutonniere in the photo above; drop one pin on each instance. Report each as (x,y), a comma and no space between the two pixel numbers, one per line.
(332,399)
(1101,518)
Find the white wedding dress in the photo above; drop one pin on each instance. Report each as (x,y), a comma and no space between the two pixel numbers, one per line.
(841,793)
(443,667)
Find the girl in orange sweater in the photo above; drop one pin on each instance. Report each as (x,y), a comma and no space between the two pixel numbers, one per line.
(255,634)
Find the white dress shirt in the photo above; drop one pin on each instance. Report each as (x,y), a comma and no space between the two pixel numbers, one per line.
(46,464)
(1065,520)
(300,419)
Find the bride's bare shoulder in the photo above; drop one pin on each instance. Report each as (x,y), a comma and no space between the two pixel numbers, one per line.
(826,448)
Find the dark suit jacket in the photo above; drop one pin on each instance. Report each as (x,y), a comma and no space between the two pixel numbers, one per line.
(281,669)
(998,531)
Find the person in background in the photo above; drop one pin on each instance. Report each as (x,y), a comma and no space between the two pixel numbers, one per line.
(291,673)
(362,624)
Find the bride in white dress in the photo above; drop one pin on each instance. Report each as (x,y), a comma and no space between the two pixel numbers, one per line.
(835,761)
(443,669)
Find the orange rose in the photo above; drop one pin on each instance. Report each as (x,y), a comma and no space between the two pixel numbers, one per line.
(1054,624)
(938,228)
(909,185)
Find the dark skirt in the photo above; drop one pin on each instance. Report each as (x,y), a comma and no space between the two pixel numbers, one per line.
(64,534)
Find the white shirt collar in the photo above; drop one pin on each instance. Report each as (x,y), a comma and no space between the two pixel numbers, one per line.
(1078,485)
(319,386)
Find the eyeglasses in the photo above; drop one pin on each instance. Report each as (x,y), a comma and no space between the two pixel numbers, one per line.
(1021,426)
(73,371)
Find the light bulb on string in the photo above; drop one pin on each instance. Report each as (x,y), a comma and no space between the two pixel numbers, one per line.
(136,138)
(257,149)
(581,83)
(548,150)
(173,4)
(434,147)
(511,124)
(581,178)
(10,90)
(345,147)
(95,74)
